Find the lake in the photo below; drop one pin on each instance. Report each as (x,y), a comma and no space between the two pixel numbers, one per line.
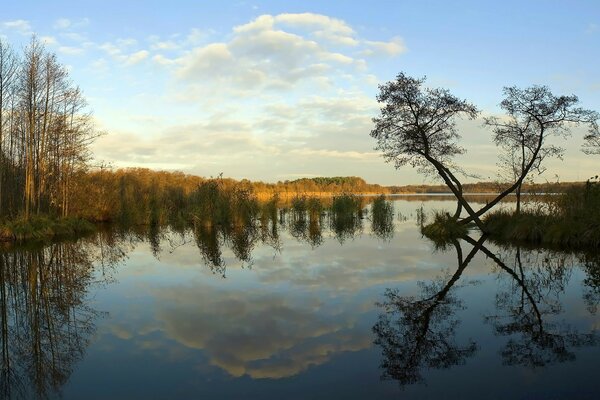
(300,309)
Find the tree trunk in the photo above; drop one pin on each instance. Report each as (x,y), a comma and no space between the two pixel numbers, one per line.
(518,193)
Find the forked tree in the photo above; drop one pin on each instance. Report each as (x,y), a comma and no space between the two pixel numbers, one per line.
(534,116)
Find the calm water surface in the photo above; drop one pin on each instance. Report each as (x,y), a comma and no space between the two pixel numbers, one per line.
(300,310)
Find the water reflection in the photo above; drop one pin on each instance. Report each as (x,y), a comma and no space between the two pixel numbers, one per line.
(527,307)
(47,322)
(305,225)
(591,266)
(303,316)
(418,333)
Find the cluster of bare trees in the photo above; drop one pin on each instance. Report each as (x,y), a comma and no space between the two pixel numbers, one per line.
(45,132)
(416,126)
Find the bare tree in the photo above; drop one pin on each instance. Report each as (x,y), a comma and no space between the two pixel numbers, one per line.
(45,132)
(417,127)
(592,140)
(534,115)
(518,144)
(8,72)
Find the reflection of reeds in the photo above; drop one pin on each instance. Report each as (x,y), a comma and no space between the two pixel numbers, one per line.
(345,216)
(382,218)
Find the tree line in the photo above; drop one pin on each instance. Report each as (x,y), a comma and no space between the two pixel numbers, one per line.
(45,132)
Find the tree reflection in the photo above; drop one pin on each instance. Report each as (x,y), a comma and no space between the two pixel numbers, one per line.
(209,242)
(591,295)
(240,238)
(306,226)
(416,333)
(419,332)
(527,310)
(46,320)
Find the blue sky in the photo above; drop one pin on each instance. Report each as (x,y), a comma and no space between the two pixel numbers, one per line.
(273,90)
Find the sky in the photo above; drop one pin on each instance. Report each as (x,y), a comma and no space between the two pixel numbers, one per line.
(278,90)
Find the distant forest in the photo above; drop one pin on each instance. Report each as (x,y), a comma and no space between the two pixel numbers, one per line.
(485,187)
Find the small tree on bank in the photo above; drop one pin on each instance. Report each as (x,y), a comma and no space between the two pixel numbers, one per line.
(534,115)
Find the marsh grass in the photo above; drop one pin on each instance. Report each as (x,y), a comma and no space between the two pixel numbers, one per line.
(571,220)
(214,204)
(444,229)
(42,227)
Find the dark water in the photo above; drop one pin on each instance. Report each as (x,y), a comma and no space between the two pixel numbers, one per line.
(300,310)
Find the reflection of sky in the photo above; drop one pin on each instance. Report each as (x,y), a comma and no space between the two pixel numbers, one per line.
(297,323)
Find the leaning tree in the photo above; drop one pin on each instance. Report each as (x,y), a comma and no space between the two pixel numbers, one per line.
(417,127)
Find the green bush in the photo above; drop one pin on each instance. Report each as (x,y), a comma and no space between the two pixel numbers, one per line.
(444,229)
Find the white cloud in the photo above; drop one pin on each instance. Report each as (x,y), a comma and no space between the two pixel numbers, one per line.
(124,43)
(317,21)
(276,93)
(48,40)
(66,23)
(162,60)
(69,50)
(120,51)
(333,30)
(335,154)
(195,37)
(62,23)
(74,36)
(205,60)
(272,53)
(164,45)
(110,49)
(20,26)
(99,65)
(392,48)
(136,57)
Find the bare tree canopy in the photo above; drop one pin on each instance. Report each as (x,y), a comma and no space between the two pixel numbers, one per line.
(417,126)
(534,115)
(592,140)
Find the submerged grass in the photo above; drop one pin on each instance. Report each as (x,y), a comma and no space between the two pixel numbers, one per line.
(444,229)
